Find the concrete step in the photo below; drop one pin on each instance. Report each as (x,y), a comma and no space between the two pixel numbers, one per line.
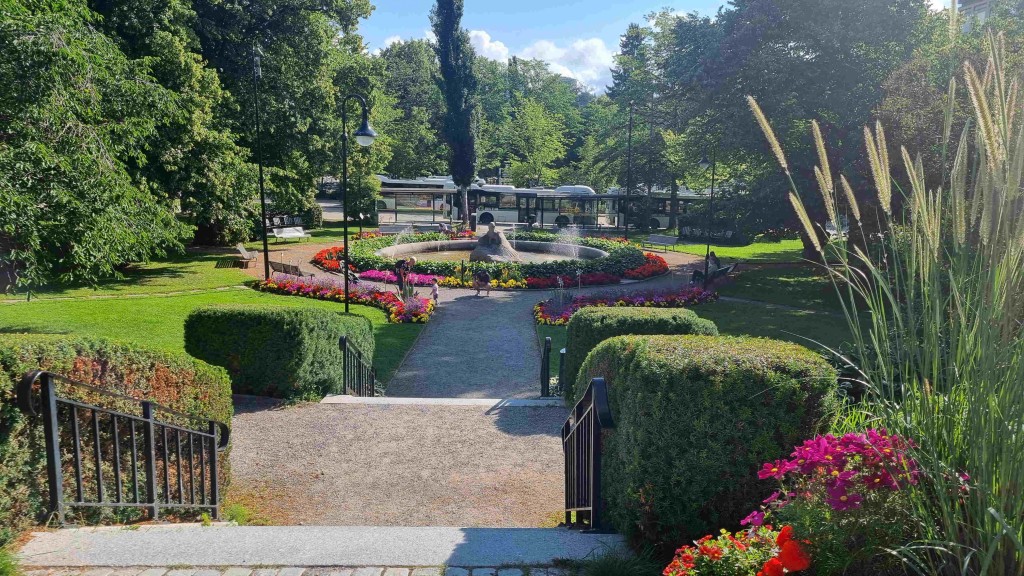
(309,546)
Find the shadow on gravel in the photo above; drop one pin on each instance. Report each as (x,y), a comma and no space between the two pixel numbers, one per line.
(528,421)
(245,404)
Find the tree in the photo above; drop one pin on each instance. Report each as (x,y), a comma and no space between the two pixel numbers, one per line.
(539,142)
(409,70)
(457,81)
(75,113)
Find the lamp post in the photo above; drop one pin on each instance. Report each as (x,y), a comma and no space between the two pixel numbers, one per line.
(704,163)
(629,169)
(257,74)
(364,137)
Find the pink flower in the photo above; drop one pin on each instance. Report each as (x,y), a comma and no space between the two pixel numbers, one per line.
(755,518)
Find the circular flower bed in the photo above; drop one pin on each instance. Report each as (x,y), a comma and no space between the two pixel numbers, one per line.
(549,312)
(413,310)
(624,260)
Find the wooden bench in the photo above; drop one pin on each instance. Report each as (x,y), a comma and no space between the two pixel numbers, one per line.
(289,269)
(290,232)
(723,272)
(660,240)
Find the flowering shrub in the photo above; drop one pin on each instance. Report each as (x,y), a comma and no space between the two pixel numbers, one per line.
(414,309)
(368,235)
(389,276)
(847,494)
(546,312)
(654,266)
(761,550)
(588,279)
(461,234)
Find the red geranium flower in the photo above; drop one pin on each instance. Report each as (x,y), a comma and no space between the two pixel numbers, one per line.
(793,556)
(785,535)
(772,567)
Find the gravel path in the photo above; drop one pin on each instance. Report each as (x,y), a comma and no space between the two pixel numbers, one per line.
(343,464)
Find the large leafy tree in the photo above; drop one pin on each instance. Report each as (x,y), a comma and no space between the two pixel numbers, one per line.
(458,83)
(75,115)
(409,69)
(539,140)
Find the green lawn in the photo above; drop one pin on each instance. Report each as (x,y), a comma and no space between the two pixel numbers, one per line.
(189,272)
(783,251)
(330,232)
(158,321)
(804,286)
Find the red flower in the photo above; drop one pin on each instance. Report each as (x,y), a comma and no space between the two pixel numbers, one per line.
(793,556)
(772,567)
(785,535)
(712,552)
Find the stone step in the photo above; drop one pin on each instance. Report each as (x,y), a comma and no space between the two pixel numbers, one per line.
(177,545)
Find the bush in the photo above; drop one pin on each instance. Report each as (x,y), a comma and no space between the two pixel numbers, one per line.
(173,380)
(591,326)
(276,351)
(695,416)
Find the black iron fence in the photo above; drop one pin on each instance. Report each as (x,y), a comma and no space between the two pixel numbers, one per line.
(100,457)
(581,444)
(545,368)
(561,371)
(360,378)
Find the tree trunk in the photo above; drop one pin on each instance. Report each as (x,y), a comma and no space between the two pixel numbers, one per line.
(464,196)
(673,215)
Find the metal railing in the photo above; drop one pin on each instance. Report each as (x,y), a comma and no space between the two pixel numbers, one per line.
(109,458)
(561,371)
(360,377)
(581,445)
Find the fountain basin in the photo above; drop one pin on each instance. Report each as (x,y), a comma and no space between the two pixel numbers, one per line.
(455,250)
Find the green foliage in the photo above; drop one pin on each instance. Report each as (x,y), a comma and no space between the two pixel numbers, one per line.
(8,564)
(539,140)
(173,380)
(695,416)
(277,351)
(409,69)
(591,326)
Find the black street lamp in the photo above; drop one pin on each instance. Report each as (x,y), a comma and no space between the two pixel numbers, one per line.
(629,170)
(257,74)
(704,164)
(364,137)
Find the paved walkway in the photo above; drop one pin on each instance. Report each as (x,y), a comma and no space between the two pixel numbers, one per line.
(302,571)
(180,546)
(398,465)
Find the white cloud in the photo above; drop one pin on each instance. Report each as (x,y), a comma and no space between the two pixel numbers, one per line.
(938,4)
(588,60)
(429,35)
(485,46)
(392,40)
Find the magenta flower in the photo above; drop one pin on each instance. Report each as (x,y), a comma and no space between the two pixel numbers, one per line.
(755,518)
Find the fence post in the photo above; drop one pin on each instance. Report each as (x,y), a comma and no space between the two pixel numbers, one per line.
(561,370)
(54,472)
(545,368)
(148,438)
(214,479)
(359,372)
(343,344)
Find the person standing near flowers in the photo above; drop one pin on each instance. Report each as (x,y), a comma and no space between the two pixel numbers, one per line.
(433,291)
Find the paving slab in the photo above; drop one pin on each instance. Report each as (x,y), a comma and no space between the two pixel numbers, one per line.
(309,546)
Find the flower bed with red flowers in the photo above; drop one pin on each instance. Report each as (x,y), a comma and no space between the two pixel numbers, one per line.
(589,279)
(842,500)
(548,312)
(654,266)
(413,310)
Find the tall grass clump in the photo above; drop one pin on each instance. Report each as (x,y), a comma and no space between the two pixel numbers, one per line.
(935,303)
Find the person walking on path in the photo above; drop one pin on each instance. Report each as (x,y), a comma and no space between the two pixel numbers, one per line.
(433,291)
(481,280)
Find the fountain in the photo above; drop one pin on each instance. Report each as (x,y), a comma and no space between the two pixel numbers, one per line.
(494,247)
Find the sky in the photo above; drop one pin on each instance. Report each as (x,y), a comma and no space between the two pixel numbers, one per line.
(577,38)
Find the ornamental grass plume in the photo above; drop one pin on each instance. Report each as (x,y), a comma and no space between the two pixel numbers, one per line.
(935,304)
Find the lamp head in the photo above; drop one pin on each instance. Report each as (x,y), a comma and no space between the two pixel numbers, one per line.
(704,163)
(365,135)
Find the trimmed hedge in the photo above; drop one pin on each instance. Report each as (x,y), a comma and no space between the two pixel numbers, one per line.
(695,416)
(276,351)
(590,326)
(174,380)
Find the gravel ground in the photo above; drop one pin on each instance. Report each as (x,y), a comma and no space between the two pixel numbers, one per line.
(356,465)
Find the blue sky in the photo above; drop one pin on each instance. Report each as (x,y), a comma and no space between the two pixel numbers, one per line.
(577,38)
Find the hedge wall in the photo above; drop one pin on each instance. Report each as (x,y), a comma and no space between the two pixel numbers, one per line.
(695,416)
(276,351)
(174,380)
(590,326)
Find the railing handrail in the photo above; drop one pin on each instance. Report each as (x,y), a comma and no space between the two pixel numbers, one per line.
(24,399)
(545,368)
(582,445)
(345,343)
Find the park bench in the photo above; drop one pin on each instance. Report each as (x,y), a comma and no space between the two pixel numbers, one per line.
(430,226)
(246,258)
(289,269)
(660,240)
(723,272)
(395,228)
(290,232)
